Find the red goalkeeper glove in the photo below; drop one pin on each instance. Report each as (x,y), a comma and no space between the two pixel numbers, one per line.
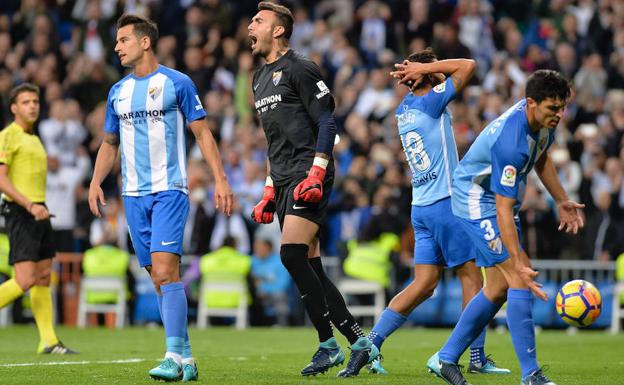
(310,189)
(263,211)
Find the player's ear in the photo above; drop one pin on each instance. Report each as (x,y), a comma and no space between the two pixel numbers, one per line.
(278,31)
(531,103)
(13,108)
(146,43)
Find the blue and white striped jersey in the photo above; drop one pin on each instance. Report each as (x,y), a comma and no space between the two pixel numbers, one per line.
(149,114)
(498,162)
(427,137)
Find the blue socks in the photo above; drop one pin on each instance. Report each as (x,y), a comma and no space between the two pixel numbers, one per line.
(477,350)
(521,327)
(389,321)
(173,310)
(475,317)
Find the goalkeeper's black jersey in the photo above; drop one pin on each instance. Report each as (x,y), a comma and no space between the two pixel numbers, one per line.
(290,97)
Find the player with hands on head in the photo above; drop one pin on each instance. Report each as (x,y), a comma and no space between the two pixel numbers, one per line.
(147,114)
(295,108)
(487,191)
(426,133)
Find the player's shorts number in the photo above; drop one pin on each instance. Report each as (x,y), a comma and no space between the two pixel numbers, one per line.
(415,150)
(486,225)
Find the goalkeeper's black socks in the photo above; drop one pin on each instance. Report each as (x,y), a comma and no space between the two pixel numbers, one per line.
(338,312)
(295,259)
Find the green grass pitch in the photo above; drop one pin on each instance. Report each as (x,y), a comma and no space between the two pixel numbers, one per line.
(275,356)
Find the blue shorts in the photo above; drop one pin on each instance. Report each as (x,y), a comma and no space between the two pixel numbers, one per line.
(156,223)
(439,238)
(485,235)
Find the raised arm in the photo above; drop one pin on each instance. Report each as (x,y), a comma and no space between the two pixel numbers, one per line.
(460,71)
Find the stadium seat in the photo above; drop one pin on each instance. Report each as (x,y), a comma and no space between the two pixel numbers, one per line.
(617,311)
(103,288)
(223,290)
(351,287)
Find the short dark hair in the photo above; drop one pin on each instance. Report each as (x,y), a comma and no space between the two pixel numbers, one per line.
(142,26)
(284,16)
(427,55)
(24,87)
(544,84)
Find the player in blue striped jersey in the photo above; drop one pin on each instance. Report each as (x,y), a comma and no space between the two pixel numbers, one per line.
(424,123)
(147,113)
(488,187)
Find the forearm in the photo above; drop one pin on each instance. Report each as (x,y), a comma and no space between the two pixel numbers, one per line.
(448,66)
(9,189)
(210,152)
(508,232)
(104,162)
(547,173)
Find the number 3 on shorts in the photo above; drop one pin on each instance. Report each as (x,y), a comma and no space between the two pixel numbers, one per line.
(486,225)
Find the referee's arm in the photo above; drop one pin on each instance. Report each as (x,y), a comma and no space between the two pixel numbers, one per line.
(7,188)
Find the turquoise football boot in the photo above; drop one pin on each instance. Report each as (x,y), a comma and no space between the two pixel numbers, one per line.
(168,370)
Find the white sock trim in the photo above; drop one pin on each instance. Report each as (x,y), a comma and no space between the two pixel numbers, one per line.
(175,356)
(189,360)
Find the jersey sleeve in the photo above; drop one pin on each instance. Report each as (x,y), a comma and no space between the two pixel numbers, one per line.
(436,100)
(317,100)
(111,124)
(7,148)
(188,99)
(508,160)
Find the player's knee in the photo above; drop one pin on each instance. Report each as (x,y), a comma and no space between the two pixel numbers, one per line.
(496,293)
(293,254)
(163,275)
(26,280)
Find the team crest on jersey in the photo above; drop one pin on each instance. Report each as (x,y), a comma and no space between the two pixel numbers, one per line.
(154,92)
(440,88)
(496,245)
(508,178)
(277,75)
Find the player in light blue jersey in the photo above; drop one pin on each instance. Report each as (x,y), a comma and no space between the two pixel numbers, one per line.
(488,187)
(424,123)
(147,113)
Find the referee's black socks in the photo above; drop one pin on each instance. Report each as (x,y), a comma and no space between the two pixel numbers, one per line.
(295,259)
(338,312)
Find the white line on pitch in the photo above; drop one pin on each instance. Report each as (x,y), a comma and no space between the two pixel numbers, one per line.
(128,361)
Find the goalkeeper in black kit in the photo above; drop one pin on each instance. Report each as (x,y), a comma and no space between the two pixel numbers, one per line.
(295,108)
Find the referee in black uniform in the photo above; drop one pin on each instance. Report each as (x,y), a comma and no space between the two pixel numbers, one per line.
(295,107)
(23,164)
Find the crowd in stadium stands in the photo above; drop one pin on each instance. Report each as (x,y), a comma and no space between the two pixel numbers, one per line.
(66,47)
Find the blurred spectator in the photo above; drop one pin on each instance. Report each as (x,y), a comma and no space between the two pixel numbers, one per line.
(61,192)
(272,282)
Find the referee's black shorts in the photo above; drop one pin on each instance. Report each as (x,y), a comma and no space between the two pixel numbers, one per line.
(30,240)
(285,202)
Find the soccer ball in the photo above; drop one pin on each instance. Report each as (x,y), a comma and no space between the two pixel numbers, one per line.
(579,303)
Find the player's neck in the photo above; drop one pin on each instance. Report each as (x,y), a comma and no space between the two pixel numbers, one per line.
(533,124)
(28,128)
(278,50)
(147,65)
